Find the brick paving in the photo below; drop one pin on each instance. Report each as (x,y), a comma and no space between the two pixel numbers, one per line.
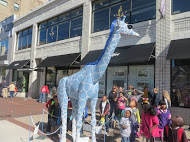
(17,107)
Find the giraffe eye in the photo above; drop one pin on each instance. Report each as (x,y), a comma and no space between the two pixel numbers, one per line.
(129,26)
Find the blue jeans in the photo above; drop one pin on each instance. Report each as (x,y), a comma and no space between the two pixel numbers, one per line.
(11,94)
(107,123)
(125,139)
(113,109)
(42,97)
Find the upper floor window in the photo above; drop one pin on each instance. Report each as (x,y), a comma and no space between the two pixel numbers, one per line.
(180,6)
(24,39)
(62,27)
(16,6)
(106,11)
(3,2)
(4,46)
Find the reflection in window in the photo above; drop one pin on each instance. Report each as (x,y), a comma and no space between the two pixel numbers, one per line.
(106,11)
(143,10)
(4,46)
(76,27)
(179,6)
(63,30)
(64,26)
(52,34)
(24,39)
(180,95)
(101,20)
(42,35)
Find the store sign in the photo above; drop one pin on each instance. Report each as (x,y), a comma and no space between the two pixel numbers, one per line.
(30,69)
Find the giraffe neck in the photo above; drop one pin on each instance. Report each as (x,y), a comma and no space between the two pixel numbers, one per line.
(107,53)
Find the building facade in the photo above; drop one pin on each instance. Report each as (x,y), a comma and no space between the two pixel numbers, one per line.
(58,38)
(18,7)
(6,32)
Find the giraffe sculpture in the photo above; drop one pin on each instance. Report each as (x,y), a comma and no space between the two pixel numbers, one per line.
(84,84)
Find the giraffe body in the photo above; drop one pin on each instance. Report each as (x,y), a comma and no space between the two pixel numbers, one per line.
(84,85)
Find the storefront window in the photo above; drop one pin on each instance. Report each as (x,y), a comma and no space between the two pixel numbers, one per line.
(4,44)
(51,74)
(106,11)
(64,26)
(21,79)
(138,75)
(54,75)
(180,87)
(2,73)
(180,6)
(24,39)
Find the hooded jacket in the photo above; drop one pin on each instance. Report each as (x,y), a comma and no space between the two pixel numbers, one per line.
(126,122)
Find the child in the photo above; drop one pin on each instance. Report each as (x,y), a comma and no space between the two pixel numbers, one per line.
(126,125)
(55,112)
(135,117)
(149,127)
(104,111)
(164,117)
(121,103)
(175,133)
(167,99)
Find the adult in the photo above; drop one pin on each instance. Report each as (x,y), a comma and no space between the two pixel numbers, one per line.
(113,96)
(166,98)
(146,96)
(44,90)
(149,127)
(156,97)
(12,89)
(4,90)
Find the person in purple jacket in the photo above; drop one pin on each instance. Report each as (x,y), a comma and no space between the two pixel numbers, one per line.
(164,117)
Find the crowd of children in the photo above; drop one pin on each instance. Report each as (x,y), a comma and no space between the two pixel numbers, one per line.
(154,123)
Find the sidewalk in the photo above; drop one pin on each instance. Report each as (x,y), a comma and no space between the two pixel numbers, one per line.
(10,132)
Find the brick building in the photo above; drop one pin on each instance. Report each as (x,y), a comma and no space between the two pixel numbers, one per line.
(64,33)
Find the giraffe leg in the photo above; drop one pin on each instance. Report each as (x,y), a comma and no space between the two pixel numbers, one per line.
(81,106)
(93,119)
(74,115)
(63,102)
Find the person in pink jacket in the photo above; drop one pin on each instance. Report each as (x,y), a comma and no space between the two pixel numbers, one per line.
(149,127)
(44,90)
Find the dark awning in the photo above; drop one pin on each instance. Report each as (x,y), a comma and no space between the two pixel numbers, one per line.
(126,55)
(59,61)
(18,64)
(179,49)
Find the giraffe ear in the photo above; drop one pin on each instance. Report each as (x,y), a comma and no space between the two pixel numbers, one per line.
(118,23)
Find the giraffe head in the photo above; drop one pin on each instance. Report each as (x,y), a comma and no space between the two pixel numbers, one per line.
(124,29)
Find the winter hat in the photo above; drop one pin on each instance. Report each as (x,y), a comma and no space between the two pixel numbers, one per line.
(128,109)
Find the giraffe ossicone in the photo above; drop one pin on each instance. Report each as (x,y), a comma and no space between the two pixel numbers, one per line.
(84,85)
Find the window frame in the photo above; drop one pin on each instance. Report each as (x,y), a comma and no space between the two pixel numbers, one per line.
(59,21)
(109,6)
(21,36)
